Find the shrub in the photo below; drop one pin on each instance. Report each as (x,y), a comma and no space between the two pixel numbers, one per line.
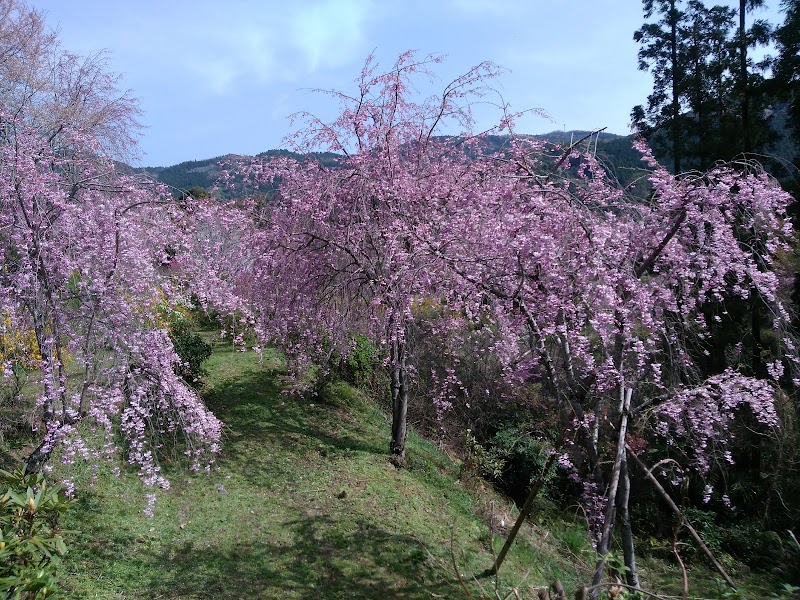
(31,544)
(753,545)
(19,353)
(358,367)
(479,460)
(16,418)
(524,457)
(192,349)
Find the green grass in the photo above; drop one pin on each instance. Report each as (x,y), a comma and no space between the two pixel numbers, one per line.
(305,503)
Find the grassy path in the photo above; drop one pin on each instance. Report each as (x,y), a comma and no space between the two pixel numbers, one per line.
(305,504)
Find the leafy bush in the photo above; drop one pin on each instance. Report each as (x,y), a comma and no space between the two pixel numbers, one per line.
(789,568)
(753,545)
(31,544)
(479,460)
(19,353)
(15,413)
(704,521)
(742,540)
(17,346)
(524,457)
(192,349)
(358,367)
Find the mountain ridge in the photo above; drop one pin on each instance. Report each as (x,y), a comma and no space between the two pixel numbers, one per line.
(204,173)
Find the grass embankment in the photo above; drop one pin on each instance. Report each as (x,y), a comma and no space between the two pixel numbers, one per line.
(305,503)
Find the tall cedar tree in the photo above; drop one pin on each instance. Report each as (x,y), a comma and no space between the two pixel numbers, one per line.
(660,54)
(708,98)
(787,66)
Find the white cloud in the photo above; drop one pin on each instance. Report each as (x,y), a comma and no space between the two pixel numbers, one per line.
(329,33)
(217,75)
(263,47)
(240,46)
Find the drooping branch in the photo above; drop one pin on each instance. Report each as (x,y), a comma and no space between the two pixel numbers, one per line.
(666,497)
(648,262)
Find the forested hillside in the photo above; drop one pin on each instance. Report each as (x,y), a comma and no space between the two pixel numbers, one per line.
(615,152)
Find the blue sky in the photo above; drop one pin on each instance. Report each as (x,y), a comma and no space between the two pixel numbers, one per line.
(222,77)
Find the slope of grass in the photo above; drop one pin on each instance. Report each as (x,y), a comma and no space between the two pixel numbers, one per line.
(305,503)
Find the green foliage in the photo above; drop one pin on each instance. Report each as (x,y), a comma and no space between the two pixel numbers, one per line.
(723,590)
(358,366)
(204,174)
(574,538)
(704,522)
(31,544)
(523,456)
(201,173)
(615,563)
(742,540)
(197,192)
(479,460)
(787,592)
(192,349)
(788,568)
(751,544)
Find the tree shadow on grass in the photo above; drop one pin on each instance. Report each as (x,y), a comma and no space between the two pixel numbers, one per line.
(321,561)
(255,412)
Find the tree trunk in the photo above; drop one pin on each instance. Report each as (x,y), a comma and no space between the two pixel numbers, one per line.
(623,499)
(399,388)
(38,458)
(608,523)
(45,344)
(743,79)
(676,109)
(757,361)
